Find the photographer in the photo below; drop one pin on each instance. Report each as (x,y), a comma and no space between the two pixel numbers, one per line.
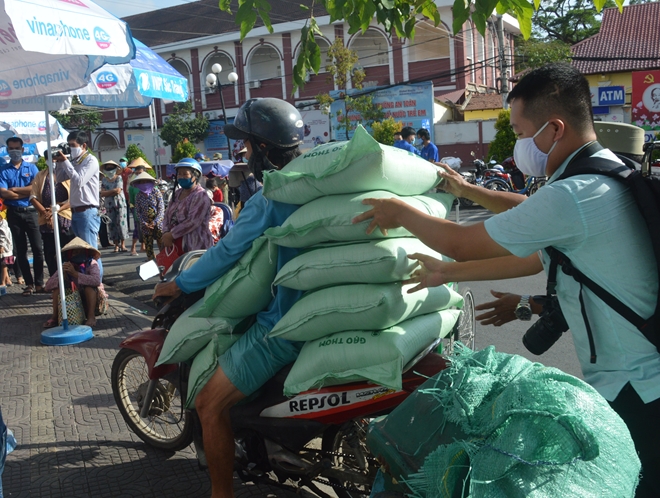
(83,171)
(595,222)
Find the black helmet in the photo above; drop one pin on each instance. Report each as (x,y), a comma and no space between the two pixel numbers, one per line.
(274,121)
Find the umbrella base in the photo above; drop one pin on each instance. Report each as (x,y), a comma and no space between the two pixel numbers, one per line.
(74,334)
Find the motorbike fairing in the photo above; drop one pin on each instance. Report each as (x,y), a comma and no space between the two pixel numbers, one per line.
(149,344)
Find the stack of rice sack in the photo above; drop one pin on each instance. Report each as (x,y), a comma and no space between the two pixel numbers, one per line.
(357,320)
(208,328)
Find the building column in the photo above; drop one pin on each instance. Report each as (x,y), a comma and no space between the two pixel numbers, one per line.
(460,61)
(240,69)
(397,59)
(288,66)
(197,87)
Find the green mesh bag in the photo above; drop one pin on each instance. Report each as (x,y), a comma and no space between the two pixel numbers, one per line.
(499,426)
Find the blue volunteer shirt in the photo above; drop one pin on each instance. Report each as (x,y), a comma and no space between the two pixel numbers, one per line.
(256,217)
(402,144)
(430,152)
(594,221)
(10,176)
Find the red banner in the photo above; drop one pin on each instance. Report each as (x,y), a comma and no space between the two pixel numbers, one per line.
(646,101)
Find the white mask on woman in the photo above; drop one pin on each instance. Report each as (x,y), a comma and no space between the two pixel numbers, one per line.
(529,159)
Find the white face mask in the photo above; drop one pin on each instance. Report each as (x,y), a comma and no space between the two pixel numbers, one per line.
(76,152)
(529,159)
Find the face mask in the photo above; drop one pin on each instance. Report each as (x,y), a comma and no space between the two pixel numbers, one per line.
(109,173)
(529,158)
(76,152)
(145,187)
(185,183)
(78,259)
(122,164)
(15,155)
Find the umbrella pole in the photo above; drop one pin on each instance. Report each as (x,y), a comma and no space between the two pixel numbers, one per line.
(53,209)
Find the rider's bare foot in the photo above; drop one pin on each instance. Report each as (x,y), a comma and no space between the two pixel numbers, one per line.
(91,322)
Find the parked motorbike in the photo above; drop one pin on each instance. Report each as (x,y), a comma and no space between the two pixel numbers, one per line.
(481,174)
(316,438)
(514,180)
(166,189)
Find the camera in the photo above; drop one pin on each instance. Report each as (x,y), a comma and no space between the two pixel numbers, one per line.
(548,328)
(63,148)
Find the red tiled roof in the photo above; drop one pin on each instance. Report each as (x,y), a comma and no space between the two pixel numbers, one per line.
(454,96)
(623,40)
(482,101)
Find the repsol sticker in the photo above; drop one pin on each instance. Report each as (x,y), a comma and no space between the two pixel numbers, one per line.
(309,404)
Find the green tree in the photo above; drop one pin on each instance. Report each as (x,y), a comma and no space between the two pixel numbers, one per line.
(342,70)
(79,117)
(535,53)
(184,149)
(383,131)
(183,124)
(505,138)
(395,16)
(568,21)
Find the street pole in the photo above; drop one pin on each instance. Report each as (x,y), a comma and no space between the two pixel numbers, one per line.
(213,80)
(504,85)
(224,117)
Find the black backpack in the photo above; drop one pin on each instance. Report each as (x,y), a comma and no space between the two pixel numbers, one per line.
(646,191)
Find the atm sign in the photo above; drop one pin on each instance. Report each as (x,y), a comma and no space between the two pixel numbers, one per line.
(611,95)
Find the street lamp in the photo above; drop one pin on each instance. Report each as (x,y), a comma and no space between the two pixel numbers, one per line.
(213,81)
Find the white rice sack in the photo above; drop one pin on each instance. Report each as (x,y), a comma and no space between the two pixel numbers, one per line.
(378,357)
(360,307)
(189,334)
(374,262)
(246,288)
(359,165)
(329,219)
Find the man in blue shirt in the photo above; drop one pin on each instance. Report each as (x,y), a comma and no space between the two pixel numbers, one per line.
(406,142)
(429,150)
(22,218)
(272,130)
(595,222)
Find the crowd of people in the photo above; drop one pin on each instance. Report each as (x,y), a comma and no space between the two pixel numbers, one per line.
(97,201)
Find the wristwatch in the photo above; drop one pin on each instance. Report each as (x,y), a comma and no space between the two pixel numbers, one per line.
(524,310)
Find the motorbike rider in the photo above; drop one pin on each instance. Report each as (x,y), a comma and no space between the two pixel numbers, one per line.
(273,131)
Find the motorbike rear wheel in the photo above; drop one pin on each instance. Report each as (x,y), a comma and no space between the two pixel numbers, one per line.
(341,441)
(498,185)
(466,327)
(167,426)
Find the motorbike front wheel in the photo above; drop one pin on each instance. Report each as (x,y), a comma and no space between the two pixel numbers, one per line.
(167,426)
(498,185)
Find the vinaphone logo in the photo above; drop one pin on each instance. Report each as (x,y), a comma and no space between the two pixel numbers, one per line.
(102,38)
(5,89)
(106,79)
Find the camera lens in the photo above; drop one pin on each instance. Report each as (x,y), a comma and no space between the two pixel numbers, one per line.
(547,330)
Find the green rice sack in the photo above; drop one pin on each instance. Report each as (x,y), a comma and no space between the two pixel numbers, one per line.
(359,165)
(329,219)
(377,356)
(246,288)
(360,307)
(373,262)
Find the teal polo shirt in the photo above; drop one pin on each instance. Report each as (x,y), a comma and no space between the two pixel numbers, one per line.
(594,221)
(10,176)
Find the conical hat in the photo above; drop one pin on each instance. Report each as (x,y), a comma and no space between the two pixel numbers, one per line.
(142,176)
(110,162)
(139,162)
(79,243)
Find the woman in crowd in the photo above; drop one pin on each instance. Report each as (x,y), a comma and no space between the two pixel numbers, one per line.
(150,210)
(112,192)
(42,200)
(186,223)
(82,270)
(6,247)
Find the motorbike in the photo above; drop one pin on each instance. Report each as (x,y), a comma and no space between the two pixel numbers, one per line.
(166,189)
(514,180)
(481,174)
(314,441)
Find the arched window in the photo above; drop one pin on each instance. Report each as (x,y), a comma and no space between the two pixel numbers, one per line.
(372,48)
(431,42)
(265,63)
(106,142)
(222,59)
(323,46)
(469,51)
(481,56)
(182,68)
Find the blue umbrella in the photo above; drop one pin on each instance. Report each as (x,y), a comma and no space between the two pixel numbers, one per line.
(149,77)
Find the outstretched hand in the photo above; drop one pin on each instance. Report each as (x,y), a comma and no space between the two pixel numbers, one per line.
(429,272)
(502,310)
(452,181)
(383,215)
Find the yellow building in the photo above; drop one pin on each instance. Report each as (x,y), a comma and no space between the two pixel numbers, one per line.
(626,42)
(483,106)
